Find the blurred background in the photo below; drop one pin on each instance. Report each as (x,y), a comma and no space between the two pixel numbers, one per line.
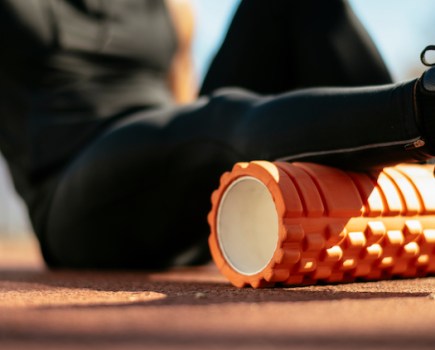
(400,29)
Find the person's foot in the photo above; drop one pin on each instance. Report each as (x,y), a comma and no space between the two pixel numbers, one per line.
(427,82)
(425,100)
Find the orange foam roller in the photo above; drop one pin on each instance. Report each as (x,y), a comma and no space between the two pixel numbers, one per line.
(300,223)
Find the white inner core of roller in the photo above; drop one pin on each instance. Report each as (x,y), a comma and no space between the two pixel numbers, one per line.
(247,226)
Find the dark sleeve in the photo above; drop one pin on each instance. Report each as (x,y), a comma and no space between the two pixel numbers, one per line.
(277,46)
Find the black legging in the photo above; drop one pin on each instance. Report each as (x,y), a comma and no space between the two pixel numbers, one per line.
(285,45)
(138,195)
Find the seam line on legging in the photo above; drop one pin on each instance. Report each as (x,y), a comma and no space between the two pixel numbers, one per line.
(349,150)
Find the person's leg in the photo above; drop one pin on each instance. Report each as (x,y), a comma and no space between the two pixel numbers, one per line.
(138,196)
(277,46)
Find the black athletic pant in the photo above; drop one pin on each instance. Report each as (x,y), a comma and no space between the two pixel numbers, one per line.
(138,195)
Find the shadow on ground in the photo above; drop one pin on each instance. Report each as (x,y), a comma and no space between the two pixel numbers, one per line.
(193,286)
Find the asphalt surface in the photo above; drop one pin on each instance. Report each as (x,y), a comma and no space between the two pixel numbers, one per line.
(196,308)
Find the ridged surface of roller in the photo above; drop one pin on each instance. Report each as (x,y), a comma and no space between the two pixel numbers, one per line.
(337,226)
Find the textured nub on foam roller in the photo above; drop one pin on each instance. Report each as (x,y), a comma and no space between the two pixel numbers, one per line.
(301,223)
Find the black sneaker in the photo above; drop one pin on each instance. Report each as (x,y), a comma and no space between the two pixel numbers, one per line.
(425,100)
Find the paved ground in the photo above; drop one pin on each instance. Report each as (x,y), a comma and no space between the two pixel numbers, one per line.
(197,309)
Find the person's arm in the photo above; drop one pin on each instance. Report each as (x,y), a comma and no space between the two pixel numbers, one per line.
(181,76)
